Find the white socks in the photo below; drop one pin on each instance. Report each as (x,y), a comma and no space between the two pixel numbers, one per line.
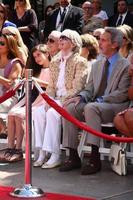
(42,155)
(53,159)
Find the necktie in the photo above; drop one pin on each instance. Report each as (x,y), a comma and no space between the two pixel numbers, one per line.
(120,20)
(63,15)
(103,83)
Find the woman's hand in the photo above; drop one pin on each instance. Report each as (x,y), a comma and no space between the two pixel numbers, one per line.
(74,100)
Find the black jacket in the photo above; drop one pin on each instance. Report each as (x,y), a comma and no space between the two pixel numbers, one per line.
(73,20)
(128,19)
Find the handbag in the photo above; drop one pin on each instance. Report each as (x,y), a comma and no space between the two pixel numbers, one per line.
(117,158)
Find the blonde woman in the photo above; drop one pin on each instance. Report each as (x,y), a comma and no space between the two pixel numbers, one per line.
(10,70)
(127,45)
(23,50)
(98,12)
(26,20)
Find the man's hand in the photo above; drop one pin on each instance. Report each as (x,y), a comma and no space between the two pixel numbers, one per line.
(74,100)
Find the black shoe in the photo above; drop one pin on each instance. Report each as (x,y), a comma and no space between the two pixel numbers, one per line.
(69,165)
(92,166)
(3,136)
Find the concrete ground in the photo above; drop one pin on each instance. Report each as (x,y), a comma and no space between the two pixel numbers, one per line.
(105,185)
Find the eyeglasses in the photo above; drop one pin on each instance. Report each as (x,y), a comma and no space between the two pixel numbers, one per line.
(63,37)
(50,40)
(2,11)
(124,38)
(2,43)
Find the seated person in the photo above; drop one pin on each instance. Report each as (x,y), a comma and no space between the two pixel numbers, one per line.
(105,94)
(39,61)
(124,120)
(10,70)
(68,73)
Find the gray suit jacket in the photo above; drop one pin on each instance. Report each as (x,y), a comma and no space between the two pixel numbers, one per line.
(117,87)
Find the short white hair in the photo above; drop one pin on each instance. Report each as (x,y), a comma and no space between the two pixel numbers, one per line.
(55,34)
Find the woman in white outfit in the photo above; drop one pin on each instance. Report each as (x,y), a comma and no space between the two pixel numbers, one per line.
(68,73)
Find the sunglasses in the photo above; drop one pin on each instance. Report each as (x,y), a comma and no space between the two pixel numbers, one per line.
(2,43)
(19,0)
(50,40)
(124,38)
(97,37)
(1,11)
(63,37)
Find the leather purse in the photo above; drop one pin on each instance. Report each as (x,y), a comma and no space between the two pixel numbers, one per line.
(118,158)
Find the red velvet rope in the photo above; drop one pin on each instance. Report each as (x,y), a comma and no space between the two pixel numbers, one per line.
(81,125)
(7,95)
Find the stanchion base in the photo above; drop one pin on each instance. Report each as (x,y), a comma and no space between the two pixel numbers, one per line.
(27,191)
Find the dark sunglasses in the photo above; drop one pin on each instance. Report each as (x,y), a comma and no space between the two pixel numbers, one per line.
(2,43)
(124,38)
(97,37)
(19,0)
(50,40)
(63,37)
(1,11)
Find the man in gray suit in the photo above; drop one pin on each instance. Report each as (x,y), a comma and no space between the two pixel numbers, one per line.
(105,95)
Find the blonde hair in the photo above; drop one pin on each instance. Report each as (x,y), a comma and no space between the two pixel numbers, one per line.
(127,32)
(27,5)
(16,33)
(13,50)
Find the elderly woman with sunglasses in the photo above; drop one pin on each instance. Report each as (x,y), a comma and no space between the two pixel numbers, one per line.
(53,42)
(3,18)
(68,73)
(26,20)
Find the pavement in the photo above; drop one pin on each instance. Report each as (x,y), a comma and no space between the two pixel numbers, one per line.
(105,185)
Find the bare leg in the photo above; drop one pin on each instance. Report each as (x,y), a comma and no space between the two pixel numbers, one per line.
(121,125)
(11,132)
(19,131)
(129,121)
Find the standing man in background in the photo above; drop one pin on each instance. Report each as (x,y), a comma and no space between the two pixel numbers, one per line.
(123,16)
(66,16)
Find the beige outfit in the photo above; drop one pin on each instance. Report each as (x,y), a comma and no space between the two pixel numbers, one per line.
(48,124)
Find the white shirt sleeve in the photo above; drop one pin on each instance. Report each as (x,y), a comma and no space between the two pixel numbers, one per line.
(102,14)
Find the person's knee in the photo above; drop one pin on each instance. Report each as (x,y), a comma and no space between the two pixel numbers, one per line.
(129,117)
(11,118)
(117,120)
(70,108)
(90,108)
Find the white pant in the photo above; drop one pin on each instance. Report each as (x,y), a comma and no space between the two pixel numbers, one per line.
(47,129)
